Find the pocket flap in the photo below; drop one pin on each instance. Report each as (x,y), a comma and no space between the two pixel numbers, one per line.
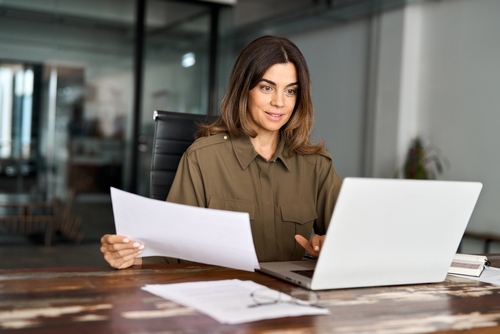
(298,213)
(232,205)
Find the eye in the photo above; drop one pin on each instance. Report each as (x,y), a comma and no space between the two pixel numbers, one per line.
(291,91)
(265,88)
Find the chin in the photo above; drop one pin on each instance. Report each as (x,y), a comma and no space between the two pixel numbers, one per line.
(274,128)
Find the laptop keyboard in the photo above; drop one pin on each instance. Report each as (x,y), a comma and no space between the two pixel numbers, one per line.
(306,273)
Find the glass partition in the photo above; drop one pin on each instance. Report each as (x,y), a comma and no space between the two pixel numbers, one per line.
(75,129)
(66,95)
(176,68)
(18,140)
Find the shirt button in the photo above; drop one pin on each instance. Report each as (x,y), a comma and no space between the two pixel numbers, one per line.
(225,137)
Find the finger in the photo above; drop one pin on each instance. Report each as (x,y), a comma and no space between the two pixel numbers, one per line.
(113,239)
(125,253)
(304,243)
(121,255)
(116,247)
(317,242)
(301,240)
(126,264)
(133,245)
(109,240)
(129,257)
(322,241)
(121,262)
(130,260)
(111,247)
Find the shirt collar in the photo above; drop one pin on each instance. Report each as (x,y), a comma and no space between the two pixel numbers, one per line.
(245,153)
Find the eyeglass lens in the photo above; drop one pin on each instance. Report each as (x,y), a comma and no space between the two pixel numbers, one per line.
(297,296)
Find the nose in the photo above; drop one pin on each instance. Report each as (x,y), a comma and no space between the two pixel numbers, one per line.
(278,99)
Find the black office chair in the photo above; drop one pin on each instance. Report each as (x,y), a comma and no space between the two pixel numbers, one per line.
(173,134)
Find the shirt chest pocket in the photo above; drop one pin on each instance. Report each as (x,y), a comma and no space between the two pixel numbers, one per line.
(300,214)
(232,205)
(298,219)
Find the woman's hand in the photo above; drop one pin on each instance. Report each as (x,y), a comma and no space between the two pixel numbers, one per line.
(313,246)
(120,252)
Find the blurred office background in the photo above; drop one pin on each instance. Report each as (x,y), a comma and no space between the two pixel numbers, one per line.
(79,81)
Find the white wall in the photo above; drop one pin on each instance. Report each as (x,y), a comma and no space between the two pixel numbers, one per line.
(437,75)
(387,93)
(460,98)
(337,59)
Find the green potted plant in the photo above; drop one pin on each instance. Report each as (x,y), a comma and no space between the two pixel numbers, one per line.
(424,163)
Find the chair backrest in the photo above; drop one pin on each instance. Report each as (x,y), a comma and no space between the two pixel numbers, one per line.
(173,134)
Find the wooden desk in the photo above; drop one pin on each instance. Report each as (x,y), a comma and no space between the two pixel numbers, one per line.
(103,300)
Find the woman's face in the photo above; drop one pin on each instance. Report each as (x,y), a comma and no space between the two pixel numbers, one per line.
(272,100)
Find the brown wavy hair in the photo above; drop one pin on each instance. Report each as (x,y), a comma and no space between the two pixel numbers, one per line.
(248,70)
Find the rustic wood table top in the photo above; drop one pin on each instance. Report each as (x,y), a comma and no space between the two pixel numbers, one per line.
(103,300)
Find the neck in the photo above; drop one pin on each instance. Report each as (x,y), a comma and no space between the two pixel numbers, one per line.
(266,144)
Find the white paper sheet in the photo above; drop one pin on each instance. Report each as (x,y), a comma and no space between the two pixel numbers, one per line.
(217,237)
(228,301)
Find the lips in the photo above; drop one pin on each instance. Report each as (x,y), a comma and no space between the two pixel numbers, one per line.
(274,116)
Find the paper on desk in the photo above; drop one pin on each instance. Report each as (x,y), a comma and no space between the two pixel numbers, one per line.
(227,301)
(218,237)
(489,275)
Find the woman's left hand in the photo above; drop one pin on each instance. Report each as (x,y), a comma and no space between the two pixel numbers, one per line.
(313,246)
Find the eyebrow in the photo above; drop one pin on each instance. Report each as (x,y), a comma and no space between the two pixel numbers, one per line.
(274,83)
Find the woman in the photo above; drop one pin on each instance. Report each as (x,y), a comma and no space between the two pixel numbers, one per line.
(258,157)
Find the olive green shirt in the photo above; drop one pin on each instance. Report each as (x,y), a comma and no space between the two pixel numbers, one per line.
(284,196)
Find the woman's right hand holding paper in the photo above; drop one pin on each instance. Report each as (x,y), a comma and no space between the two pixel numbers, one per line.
(121,252)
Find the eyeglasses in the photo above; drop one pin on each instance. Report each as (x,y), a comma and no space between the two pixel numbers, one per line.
(294,296)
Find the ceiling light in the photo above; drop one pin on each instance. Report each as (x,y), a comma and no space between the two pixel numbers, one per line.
(188,60)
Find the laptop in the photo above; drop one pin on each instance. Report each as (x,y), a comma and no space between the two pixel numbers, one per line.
(387,232)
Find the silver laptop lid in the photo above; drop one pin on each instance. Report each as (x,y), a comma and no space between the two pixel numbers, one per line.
(393,231)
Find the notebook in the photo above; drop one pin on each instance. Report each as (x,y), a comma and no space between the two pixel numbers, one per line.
(387,232)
